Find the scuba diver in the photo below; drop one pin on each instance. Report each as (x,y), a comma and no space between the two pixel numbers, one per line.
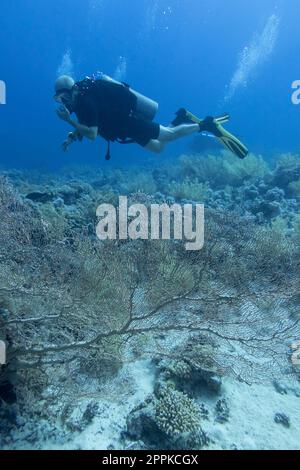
(116,112)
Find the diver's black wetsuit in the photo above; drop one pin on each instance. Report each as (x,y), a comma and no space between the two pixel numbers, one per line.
(111,107)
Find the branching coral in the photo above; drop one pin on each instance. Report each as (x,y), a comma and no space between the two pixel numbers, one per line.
(179,368)
(175,413)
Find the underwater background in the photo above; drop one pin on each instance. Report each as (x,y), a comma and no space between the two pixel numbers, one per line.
(204,345)
(181,53)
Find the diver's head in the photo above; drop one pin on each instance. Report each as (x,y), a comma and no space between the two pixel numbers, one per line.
(64,86)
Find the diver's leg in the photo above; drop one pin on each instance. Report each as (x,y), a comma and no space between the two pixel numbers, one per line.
(169,134)
(155,146)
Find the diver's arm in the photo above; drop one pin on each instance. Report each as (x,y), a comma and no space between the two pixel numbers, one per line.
(88,132)
(75,136)
(71,138)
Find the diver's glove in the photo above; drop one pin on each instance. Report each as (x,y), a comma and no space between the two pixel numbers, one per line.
(72,137)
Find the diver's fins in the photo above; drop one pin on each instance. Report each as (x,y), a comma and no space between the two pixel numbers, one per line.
(182,118)
(192,118)
(214,126)
(232,143)
(222,119)
(186,117)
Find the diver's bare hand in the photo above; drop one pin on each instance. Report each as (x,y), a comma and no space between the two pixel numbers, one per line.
(64,114)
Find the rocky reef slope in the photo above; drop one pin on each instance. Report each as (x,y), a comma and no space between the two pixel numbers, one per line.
(189,337)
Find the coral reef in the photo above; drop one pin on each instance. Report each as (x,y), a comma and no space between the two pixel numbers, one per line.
(74,309)
(287,171)
(77,419)
(167,420)
(175,413)
(188,189)
(223,170)
(222,411)
(281,418)
(196,372)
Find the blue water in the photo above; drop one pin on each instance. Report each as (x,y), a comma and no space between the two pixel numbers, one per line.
(179,52)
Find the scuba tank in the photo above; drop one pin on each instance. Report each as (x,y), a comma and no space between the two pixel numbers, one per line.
(146,108)
(139,105)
